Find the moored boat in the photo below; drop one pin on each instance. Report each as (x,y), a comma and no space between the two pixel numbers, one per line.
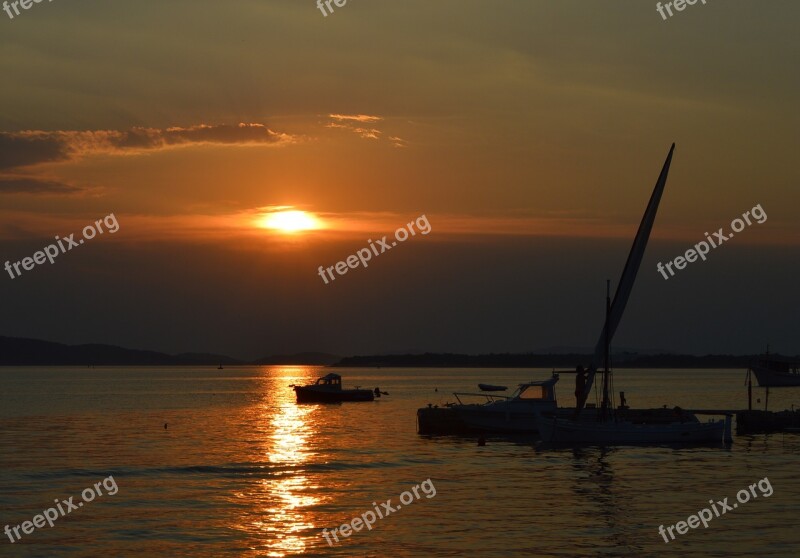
(328,389)
(510,414)
(771,371)
(612,427)
(533,407)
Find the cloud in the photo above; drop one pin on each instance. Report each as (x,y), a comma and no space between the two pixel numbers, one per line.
(368,133)
(398,142)
(356,117)
(11,184)
(351,123)
(32,147)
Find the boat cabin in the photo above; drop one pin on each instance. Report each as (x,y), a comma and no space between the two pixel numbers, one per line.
(543,390)
(528,392)
(331,381)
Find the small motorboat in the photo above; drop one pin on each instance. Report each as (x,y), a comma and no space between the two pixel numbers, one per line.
(328,389)
(490,387)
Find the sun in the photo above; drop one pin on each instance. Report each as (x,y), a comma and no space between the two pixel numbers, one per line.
(290,221)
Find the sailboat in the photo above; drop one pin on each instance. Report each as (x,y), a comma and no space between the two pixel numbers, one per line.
(607,426)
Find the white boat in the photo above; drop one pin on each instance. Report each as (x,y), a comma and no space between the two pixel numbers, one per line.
(611,427)
(510,414)
(519,413)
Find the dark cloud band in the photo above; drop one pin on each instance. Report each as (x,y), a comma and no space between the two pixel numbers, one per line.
(32,147)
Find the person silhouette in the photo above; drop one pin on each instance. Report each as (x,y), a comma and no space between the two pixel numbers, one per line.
(580,385)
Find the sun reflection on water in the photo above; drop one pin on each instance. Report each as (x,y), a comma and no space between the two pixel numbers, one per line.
(285,497)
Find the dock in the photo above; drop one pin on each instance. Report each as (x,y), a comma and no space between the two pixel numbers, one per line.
(758,422)
(762,422)
(434,421)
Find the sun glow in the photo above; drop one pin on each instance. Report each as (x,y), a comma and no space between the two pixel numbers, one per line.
(290,221)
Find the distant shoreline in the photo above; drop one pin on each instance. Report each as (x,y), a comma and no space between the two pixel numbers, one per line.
(15,351)
(565,361)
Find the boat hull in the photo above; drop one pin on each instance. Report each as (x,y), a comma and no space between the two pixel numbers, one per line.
(514,416)
(481,420)
(560,431)
(498,419)
(774,378)
(311,395)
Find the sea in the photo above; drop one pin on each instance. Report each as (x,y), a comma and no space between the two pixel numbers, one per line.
(201,462)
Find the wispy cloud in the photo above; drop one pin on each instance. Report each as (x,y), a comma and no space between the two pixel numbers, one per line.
(353,123)
(368,133)
(356,117)
(398,142)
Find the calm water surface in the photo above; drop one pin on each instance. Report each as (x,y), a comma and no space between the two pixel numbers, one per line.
(241,470)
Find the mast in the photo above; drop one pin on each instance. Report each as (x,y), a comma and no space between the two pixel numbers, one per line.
(628,278)
(605,404)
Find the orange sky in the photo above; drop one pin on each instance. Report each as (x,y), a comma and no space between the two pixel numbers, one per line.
(535,120)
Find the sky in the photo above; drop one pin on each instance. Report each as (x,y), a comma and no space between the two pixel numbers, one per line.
(529,134)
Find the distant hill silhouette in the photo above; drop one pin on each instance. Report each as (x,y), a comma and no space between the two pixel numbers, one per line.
(19,351)
(16,351)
